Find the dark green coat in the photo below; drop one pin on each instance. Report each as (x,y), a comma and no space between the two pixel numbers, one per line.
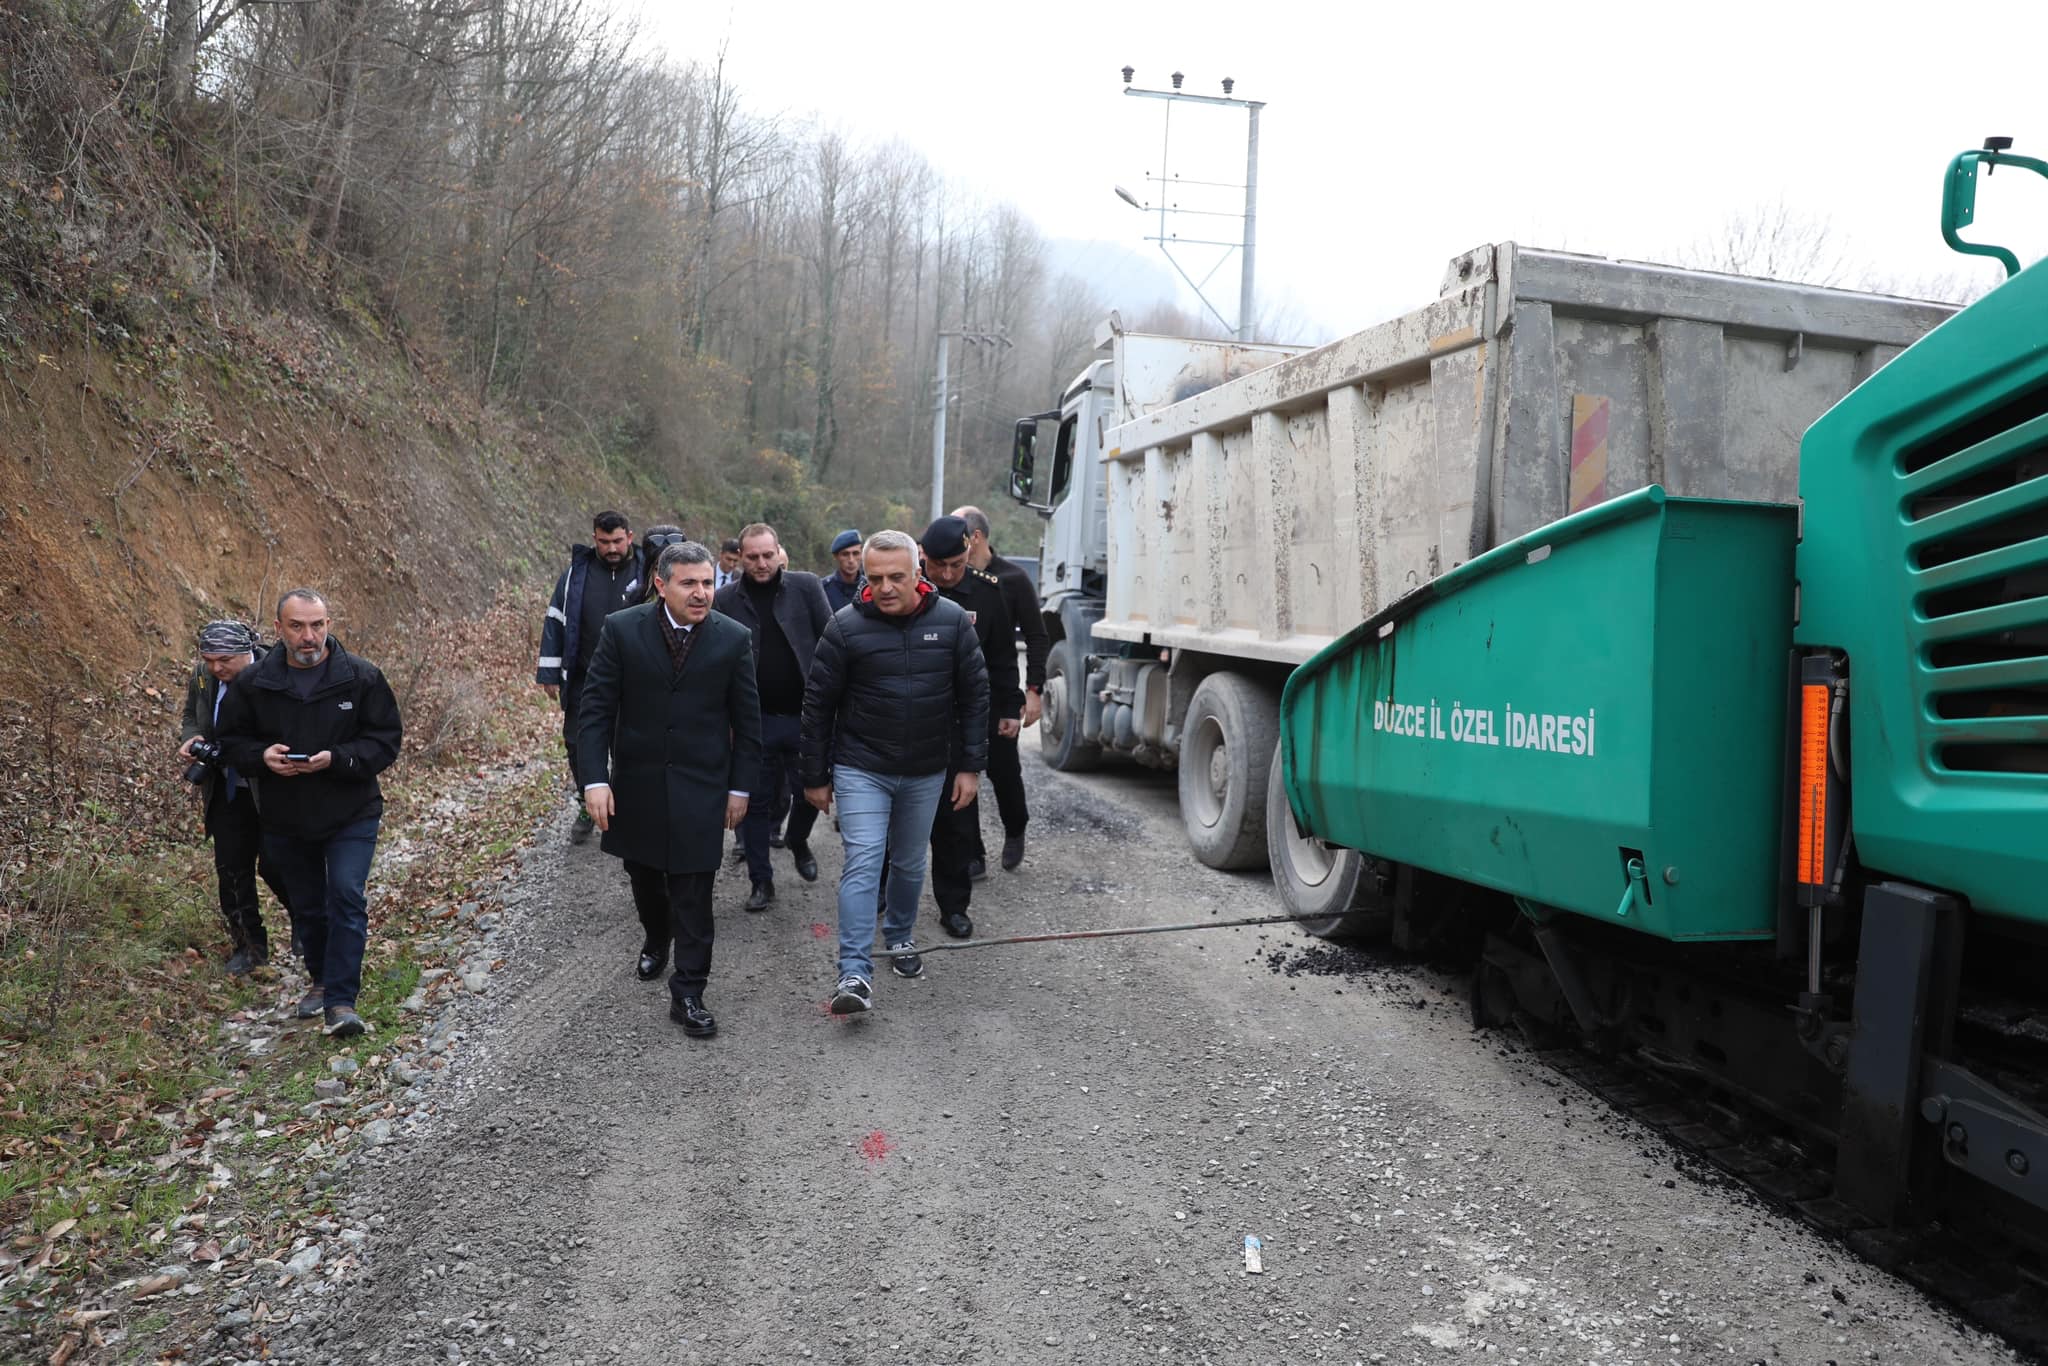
(671,746)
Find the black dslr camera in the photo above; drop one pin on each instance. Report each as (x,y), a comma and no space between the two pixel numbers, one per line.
(205,760)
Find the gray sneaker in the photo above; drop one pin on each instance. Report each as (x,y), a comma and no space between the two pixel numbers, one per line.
(310,1004)
(908,962)
(343,1022)
(853,996)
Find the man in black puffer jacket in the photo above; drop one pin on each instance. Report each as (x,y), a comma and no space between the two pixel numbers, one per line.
(319,724)
(897,698)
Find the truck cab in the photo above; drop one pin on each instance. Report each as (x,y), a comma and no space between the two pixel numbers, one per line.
(1068,489)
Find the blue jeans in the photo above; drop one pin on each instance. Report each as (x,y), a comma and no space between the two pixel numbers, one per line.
(327,880)
(882,818)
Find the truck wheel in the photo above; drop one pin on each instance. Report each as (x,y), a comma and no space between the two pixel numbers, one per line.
(1341,888)
(1226,749)
(1059,721)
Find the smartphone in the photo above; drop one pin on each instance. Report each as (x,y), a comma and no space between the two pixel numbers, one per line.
(298,758)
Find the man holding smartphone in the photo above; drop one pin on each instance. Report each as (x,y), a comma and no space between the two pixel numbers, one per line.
(321,723)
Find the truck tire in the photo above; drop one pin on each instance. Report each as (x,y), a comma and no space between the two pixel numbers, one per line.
(1226,749)
(1059,723)
(1341,889)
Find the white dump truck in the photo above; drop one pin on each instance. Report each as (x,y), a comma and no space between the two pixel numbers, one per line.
(1216,512)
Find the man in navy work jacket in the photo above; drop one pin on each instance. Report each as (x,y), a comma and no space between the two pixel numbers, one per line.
(843,583)
(602,578)
(319,724)
(668,740)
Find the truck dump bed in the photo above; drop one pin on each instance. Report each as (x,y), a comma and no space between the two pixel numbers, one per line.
(1265,517)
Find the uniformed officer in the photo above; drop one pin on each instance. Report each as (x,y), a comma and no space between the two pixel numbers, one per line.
(956,834)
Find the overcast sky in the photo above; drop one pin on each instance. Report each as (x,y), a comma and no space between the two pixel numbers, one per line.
(1395,137)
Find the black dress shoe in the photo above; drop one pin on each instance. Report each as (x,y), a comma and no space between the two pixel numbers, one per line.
(693,1017)
(653,958)
(806,866)
(1013,852)
(763,893)
(775,840)
(957,924)
(977,869)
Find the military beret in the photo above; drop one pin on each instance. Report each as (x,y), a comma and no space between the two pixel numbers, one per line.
(944,538)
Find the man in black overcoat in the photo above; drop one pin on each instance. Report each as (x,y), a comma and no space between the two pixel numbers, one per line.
(669,746)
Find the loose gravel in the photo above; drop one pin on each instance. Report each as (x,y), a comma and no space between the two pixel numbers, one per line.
(1050,1153)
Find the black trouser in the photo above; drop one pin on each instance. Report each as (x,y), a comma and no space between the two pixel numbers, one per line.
(954,835)
(1006,776)
(572,689)
(676,908)
(781,790)
(238,860)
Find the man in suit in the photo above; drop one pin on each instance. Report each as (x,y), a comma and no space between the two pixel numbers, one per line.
(728,570)
(669,746)
(786,611)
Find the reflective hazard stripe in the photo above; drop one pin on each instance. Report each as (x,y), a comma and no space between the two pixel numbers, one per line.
(550,661)
(556,613)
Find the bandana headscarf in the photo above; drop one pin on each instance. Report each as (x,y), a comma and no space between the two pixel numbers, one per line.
(226,638)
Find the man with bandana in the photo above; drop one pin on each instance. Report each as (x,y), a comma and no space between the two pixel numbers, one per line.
(228,797)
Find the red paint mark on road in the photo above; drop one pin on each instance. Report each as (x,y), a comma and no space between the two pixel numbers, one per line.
(820,930)
(876,1146)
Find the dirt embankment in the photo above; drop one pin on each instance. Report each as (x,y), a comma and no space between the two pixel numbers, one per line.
(142,493)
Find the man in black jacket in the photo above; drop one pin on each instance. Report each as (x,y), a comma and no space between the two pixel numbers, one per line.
(956,835)
(602,578)
(669,739)
(226,649)
(320,724)
(1005,764)
(786,611)
(897,699)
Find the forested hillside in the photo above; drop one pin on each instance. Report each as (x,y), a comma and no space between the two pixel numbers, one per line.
(385,296)
(359,286)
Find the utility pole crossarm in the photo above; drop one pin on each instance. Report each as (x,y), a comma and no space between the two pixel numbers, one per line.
(1248,246)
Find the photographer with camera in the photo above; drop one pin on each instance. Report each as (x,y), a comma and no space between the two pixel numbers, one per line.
(226,648)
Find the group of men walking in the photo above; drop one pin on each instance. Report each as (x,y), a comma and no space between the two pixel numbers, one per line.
(701,692)
(886,687)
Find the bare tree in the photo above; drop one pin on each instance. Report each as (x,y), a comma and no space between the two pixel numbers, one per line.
(1773,241)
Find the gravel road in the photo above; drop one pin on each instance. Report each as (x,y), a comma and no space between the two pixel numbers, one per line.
(1046,1153)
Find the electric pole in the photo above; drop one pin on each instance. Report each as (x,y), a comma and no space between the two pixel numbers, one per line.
(973,337)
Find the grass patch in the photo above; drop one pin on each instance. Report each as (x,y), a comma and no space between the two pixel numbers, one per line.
(107,1029)
(150,1105)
